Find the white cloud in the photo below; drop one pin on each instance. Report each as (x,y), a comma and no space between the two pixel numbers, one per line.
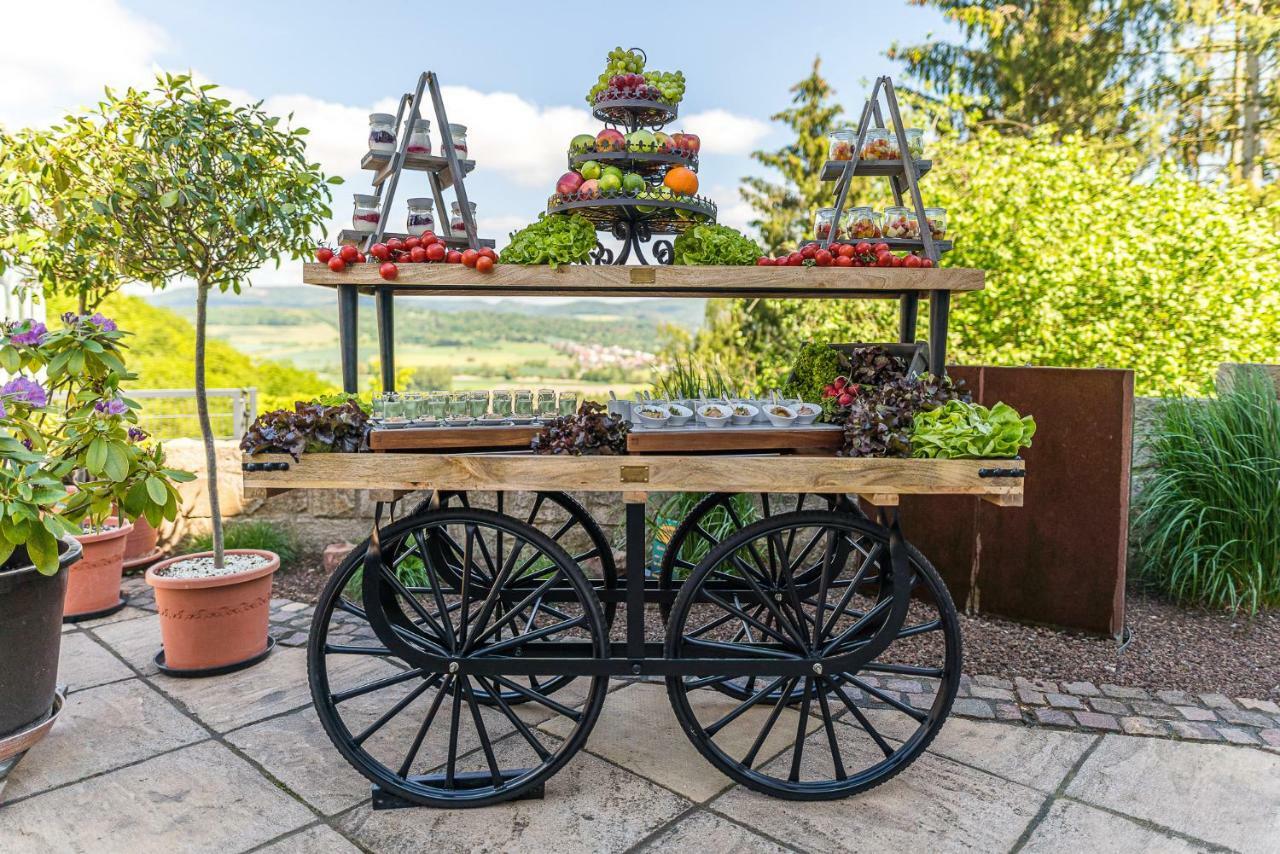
(730,209)
(723,132)
(60,53)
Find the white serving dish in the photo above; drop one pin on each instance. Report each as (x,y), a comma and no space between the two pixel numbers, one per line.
(715,420)
(780,420)
(807,413)
(652,415)
(680,415)
(746,418)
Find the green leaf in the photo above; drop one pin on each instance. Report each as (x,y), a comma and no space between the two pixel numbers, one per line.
(96,457)
(156,489)
(42,547)
(6,549)
(117,464)
(169,199)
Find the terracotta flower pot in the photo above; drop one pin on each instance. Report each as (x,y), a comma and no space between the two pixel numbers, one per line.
(94,581)
(140,545)
(217,621)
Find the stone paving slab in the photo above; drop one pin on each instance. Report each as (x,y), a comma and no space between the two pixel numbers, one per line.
(83,663)
(707,833)
(315,840)
(197,799)
(136,641)
(140,723)
(1075,827)
(590,806)
(1222,794)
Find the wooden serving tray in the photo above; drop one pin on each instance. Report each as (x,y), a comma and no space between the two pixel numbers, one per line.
(499,437)
(809,439)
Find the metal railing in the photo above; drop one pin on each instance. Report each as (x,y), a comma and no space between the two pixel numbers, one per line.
(170,413)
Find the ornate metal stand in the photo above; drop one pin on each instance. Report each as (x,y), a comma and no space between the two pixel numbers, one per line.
(632,234)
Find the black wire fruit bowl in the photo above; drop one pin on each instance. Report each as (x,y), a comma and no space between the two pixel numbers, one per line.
(664,213)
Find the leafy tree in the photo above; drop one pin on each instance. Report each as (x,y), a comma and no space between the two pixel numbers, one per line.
(786,209)
(1085,267)
(49,228)
(208,191)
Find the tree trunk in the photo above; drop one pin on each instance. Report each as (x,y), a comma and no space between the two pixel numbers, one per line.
(206,429)
(1250,162)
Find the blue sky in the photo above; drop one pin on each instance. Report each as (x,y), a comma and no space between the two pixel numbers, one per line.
(516,74)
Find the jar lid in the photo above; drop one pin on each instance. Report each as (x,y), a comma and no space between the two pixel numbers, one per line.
(826,211)
(866,209)
(899,210)
(458,129)
(420,203)
(422,124)
(381,119)
(935,210)
(365,201)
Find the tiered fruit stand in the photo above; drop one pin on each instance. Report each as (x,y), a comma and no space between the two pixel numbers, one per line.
(461,656)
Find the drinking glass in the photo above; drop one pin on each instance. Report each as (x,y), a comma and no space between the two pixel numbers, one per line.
(413,406)
(458,405)
(523,403)
(502,404)
(568,403)
(392,407)
(379,407)
(546,403)
(438,405)
(477,404)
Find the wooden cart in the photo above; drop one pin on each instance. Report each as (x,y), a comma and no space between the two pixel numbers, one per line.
(462,655)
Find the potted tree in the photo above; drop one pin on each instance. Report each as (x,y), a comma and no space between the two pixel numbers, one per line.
(213,192)
(63,423)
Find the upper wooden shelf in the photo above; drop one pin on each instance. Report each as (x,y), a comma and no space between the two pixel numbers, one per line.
(832,169)
(655,281)
(380,162)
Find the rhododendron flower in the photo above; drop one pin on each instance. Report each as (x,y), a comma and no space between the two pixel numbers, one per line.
(31,336)
(103,322)
(24,390)
(114,406)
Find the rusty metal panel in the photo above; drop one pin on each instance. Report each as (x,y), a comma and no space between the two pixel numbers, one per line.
(1060,558)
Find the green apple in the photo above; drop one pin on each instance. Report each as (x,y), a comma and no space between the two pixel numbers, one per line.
(632,183)
(641,140)
(662,141)
(581,143)
(609,182)
(591,169)
(614,171)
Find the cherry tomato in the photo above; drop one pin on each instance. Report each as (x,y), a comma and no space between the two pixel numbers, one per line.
(884,259)
(349,254)
(428,237)
(418,255)
(864,248)
(845,250)
(336,264)
(412,242)
(843,261)
(436,252)
(323,254)
(388,271)
(897,261)
(926,262)
(453,256)
(764,261)
(809,250)
(822,258)
(488,253)
(380,251)
(395,244)
(880,247)
(484,264)
(469,257)
(360,259)
(912,261)
(795,259)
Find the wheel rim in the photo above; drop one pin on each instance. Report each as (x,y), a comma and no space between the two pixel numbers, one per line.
(436,733)
(832,732)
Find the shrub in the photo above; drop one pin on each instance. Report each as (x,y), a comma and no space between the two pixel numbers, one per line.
(1208,524)
(266,536)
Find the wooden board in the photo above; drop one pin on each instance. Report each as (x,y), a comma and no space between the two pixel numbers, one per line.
(833,169)
(819,438)
(604,280)
(665,473)
(380,162)
(500,437)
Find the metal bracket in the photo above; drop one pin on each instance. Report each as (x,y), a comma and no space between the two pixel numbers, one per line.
(1002,472)
(279,465)
(634,474)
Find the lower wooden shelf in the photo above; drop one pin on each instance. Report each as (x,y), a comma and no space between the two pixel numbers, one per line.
(522,472)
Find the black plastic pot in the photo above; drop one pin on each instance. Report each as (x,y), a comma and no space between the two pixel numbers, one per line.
(30,636)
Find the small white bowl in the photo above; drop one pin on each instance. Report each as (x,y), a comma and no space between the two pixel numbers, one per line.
(651,415)
(760,404)
(680,415)
(780,420)
(807,413)
(746,417)
(706,417)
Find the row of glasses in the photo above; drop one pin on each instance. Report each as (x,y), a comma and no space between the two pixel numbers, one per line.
(393,407)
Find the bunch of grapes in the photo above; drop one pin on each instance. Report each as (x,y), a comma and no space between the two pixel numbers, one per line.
(629,63)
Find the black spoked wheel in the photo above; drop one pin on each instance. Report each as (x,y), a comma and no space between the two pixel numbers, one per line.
(569,524)
(837,724)
(431,715)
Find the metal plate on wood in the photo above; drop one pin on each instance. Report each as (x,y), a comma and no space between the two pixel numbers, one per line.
(635,474)
(643,275)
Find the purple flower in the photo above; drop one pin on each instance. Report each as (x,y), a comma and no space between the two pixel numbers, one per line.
(26,443)
(137,434)
(23,390)
(3,412)
(31,335)
(103,322)
(114,406)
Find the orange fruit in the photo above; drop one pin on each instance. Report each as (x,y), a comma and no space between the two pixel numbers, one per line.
(682,181)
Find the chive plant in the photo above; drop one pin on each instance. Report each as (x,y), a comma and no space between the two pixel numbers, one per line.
(1207,525)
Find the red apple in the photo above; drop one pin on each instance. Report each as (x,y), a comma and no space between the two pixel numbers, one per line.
(691,142)
(610,140)
(569,183)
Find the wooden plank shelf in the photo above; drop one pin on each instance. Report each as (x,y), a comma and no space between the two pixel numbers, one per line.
(641,474)
(657,281)
(814,439)
(350,235)
(380,162)
(513,437)
(833,169)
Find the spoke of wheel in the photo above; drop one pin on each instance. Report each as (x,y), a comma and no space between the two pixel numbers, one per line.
(694,684)
(427,619)
(426,725)
(538,697)
(520,640)
(794,775)
(468,554)
(376,685)
(827,560)
(455,715)
(500,581)
(714,624)
(482,733)
(436,592)
(595,552)
(533,615)
(397,708)
(906,669)
(912,631)
(784,622)
(344,649)
(862,719)
(496,693)
(738,649)
(836,759)
(518,607)
(856,626)
(783,699)
(746,618)
(537,505)
(849,593)
(564,529)
(787,577)
(742,707)
(909,711)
